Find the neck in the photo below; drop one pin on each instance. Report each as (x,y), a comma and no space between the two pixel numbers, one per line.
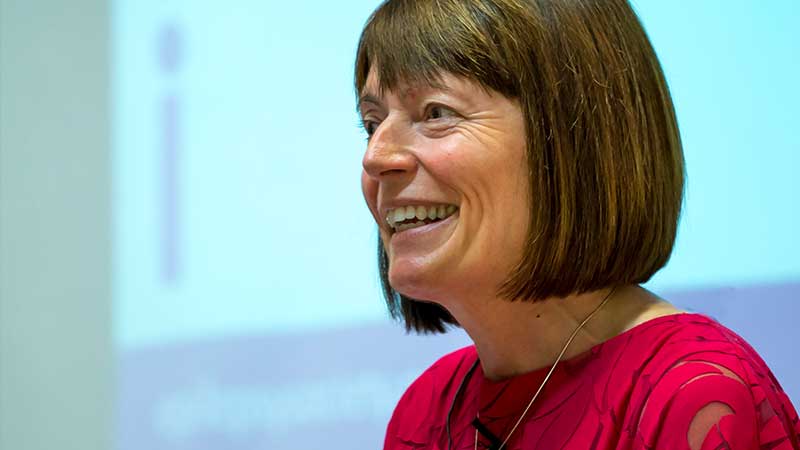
(518,337)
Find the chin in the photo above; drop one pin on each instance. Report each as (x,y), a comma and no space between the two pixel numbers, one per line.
(415,283)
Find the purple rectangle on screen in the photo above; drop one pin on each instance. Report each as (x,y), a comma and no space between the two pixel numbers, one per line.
(169,191)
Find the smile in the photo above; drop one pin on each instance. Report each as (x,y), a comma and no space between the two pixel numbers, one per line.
(407,217)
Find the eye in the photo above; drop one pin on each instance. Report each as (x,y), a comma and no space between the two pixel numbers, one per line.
(369,127)
(436,112)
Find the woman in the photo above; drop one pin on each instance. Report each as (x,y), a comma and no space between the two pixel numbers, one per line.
(525,169)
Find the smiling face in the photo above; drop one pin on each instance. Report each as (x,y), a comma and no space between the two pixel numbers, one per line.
(445,178)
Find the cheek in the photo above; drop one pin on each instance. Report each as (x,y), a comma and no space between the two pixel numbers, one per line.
(446,164)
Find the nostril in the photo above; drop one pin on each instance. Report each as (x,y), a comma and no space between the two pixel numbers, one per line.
(388,160)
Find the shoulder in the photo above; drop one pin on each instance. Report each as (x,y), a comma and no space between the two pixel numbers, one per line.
(426,401)
(436,384)
(702,385)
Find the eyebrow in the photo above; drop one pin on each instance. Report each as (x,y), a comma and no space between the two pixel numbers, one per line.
(369,97)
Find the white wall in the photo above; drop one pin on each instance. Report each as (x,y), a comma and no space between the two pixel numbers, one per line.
(56,359)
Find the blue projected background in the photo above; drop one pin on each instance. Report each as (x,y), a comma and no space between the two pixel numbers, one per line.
(247,306)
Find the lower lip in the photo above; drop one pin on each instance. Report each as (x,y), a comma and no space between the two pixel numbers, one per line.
(418,235)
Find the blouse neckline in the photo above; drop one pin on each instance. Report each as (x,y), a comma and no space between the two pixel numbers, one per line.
(497,399)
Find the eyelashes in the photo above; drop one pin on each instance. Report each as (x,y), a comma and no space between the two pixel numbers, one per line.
(433,112)
(436,111)
(368,127)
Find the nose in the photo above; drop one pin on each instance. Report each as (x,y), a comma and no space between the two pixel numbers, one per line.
(389,151)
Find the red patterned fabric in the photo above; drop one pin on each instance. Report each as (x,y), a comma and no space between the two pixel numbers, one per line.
(676,382)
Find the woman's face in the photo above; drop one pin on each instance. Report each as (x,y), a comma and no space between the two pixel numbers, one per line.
(445,178)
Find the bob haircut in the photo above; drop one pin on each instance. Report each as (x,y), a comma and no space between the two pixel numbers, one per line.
(604,155)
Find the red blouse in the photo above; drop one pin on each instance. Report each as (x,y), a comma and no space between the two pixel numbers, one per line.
(676,382)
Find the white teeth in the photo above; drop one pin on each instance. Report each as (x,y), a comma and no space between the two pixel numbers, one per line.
(399,215)
(415,216)
(432,212)
(406,226)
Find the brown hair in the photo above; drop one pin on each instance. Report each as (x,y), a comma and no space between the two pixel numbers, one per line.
(604,154)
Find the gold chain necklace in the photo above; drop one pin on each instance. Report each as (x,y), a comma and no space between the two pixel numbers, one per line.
(552,368)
